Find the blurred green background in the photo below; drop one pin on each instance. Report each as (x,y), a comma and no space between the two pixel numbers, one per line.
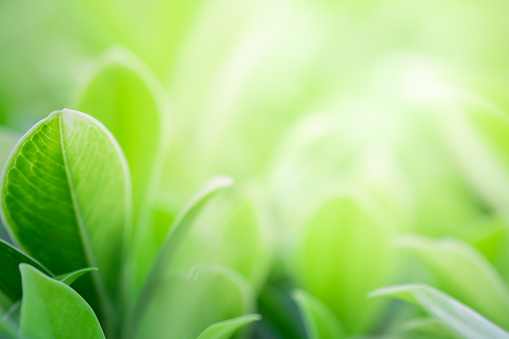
(347,125)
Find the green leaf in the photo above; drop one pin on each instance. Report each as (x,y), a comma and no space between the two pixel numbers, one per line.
(51,309)
(430,327)
(242,237)
(225,329)
(345,252)
(71,277)
(209,293)
(173,241)
(7,329)
(66,200)
(320,322)
(10,277)
(8,140)
(461,271)
(477,133)
(126,97)
(458,317)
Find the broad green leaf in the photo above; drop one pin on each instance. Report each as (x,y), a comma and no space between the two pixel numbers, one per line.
(186,304)
(345,253)
(225,329)
(53,310)
(71,277)
(66,199)
(462,272)
(319,320)
(173,242)
(458,317)
(10,277)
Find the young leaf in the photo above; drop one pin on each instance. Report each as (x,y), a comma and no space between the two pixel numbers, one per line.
(53,310)
(225,329)
(320,322)
(10,278)
(458,317)
(173,241)
(208,294)
(345,253)
(461,272)
(66,199)
(71,277)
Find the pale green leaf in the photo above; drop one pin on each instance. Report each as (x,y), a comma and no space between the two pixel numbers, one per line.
(319,320)
(462,272)
(66,199)
(125,96)
(53,310)
(225,329)
(186,304)
(458,317)
(345,253)
(173,242)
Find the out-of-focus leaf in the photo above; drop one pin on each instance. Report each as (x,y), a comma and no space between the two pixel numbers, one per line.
(464,274)
(320,322)
(66,198)
(126,97)
(209,294)
(51,309)
(458,317)
(71,277)
(8,330)
(478,135)
(225,329)
(173,242)
(429,327)
(10,277)
(232,230)
(345,253)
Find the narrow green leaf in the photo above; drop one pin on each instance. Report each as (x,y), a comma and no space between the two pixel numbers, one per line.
(463,273)
(458,317)
(344,253)
(53,310)
(10,277)
(71,277)
(66,199)
(225,329)
(208,294)
(173,241)
(319,320)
